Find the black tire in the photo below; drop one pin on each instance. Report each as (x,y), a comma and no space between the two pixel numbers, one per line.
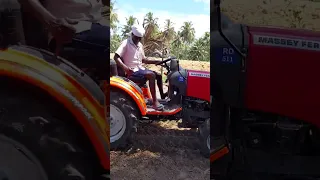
(123,104)
(55,144)
(204,134)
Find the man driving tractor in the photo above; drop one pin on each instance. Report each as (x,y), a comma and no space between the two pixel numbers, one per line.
(130,56)
(77,23)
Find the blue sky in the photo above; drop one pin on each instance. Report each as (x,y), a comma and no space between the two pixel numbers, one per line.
(179,11)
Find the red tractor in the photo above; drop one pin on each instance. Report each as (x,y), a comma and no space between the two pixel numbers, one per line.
(188,98)
(265,88)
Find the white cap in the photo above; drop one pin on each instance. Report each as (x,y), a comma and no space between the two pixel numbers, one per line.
(137,31)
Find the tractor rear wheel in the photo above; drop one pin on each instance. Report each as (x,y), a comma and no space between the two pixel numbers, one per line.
(35,145)
(204,136)
(123,119)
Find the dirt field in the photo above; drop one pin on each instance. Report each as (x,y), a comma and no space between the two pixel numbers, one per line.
(165,151)
(302,14)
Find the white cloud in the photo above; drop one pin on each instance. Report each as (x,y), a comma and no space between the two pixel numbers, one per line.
(201,22)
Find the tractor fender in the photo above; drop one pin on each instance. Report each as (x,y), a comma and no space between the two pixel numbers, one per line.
(68,85)
(132,90)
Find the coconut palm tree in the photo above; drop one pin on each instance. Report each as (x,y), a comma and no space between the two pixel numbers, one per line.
(113,16)
(152,39)
(177,42)
(187,32)
(150,24)
(200,50)
(127,28)
(169,32)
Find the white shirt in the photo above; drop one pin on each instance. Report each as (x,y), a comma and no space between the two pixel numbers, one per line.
(84,11)
(131,54)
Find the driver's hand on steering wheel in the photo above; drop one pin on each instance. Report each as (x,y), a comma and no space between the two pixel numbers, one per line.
(158,62)
(62,29)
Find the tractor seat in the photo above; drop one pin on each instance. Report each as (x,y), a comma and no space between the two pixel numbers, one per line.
(140,82)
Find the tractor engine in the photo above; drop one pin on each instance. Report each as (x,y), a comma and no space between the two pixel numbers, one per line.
(277,134)
(195,111)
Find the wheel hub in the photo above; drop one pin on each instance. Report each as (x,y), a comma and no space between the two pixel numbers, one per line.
(112,123)
(117,123)
(17,162)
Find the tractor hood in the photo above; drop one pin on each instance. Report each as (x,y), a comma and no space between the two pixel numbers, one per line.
(198,85)
(287,38)
(282,71)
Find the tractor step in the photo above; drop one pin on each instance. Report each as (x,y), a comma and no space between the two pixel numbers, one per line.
(161,101)
(167,110)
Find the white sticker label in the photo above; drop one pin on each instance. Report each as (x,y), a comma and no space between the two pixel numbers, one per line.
(286,42)
(195,74)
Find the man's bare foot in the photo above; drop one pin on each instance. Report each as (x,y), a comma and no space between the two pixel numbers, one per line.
(157,106)
(164,95)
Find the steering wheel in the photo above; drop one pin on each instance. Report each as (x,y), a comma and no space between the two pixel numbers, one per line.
(164,63)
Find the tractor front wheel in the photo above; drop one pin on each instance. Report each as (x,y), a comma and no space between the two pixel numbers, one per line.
(123,119)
